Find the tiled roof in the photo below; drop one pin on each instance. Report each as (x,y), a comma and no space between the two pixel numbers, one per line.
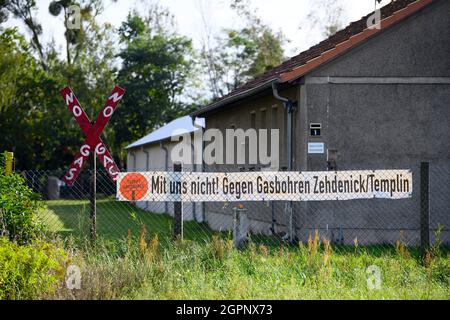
(326,50)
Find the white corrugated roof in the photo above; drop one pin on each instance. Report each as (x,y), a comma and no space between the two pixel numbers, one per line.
(176,127)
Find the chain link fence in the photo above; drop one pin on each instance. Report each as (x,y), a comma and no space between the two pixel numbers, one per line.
(361,222)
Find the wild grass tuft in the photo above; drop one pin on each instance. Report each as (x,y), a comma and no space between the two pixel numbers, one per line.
(141,267)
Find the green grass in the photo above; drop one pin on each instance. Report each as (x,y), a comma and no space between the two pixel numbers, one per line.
(149,265)
(142,269)
(114,220)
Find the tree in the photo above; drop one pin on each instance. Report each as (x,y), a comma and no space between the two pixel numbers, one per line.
(77,36)
(209,60)
(90,51)
(35,124)
(327,16)
(157,71)
(156,67)
(242,53)
(24,11)
(13,57)
(88,67)
(267,44)
(3,11)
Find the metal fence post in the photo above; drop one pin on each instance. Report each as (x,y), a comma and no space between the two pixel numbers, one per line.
(178,211)
(424,206)
(235,227)
(93,199)
(240,226)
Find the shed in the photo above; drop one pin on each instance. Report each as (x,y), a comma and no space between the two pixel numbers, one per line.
(153,153)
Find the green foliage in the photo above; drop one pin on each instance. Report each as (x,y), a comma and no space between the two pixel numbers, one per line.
(132,28)
(13,58)
(262,45)
(242,53)
(18,209)
(155,71)
(34,122)
(250,52)
(25,11)
(30,271)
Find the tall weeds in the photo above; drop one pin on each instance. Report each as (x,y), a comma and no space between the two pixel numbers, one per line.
(141,267)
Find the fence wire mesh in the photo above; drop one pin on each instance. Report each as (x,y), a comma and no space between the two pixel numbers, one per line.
(364,222)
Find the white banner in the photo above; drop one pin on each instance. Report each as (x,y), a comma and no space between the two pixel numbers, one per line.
(263,186)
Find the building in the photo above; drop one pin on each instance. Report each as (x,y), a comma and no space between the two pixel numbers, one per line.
(365,98)
(153,153)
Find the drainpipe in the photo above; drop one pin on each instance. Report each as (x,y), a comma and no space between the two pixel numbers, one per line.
(166,167)
(290,107)
(147,166)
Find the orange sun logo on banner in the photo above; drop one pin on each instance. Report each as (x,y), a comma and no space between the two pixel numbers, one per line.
(133,186)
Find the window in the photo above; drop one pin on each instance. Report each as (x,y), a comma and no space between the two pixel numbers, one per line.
(275,117)
(316,129)
(253,119)
(263,118)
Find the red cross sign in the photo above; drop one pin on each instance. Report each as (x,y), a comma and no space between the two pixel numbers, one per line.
(92,132)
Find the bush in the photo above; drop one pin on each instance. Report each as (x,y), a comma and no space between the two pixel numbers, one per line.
(18,208)
(30,271)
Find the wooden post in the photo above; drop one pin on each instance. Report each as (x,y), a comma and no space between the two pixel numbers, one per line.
(94,199)
(178,211)
(9,160)
(424,206)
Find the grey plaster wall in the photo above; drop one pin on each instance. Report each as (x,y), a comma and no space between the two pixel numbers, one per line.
(417,46)
(376,125)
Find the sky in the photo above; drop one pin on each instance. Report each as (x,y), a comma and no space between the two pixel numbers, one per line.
(291,22)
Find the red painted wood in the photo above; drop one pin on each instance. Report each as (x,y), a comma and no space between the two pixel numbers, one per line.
(93,141)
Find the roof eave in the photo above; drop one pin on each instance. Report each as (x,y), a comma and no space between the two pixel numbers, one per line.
(131,147)
(264,86)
